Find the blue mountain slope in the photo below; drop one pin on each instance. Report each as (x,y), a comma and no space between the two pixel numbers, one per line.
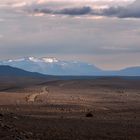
(52,66)
(11,71)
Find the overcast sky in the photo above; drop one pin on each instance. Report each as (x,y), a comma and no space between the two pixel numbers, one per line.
(102,32)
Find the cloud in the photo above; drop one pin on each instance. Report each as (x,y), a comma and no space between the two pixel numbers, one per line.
(132,11)
(1,19)
(76,11)
(129,11)
(66,11)
(1,36)
(21,4)
(111,8)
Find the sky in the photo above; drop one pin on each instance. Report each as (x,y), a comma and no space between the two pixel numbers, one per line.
(101,32)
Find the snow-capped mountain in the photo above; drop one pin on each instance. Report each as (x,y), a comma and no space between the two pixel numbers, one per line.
(52,66)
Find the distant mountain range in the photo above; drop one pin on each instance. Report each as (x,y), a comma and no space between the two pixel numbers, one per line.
(52,66)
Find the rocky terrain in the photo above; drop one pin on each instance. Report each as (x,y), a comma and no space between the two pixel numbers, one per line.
(100,109)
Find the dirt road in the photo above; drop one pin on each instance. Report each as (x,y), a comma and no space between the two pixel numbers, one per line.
(33,97)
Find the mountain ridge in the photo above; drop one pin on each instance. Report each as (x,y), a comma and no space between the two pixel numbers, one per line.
(52,66)
(6,70)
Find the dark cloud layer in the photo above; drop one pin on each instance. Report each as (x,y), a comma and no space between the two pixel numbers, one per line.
(66,11)
(131,11)
(76,11)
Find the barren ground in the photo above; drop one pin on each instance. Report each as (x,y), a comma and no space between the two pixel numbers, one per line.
(57,110)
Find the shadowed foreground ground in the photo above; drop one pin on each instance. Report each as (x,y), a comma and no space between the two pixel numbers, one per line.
(57,111)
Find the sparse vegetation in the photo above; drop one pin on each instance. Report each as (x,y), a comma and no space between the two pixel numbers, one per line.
(89,115)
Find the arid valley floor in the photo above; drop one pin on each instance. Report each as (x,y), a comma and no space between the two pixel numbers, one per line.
(98,109)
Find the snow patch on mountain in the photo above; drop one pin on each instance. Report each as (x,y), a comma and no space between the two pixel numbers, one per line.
(49,60)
